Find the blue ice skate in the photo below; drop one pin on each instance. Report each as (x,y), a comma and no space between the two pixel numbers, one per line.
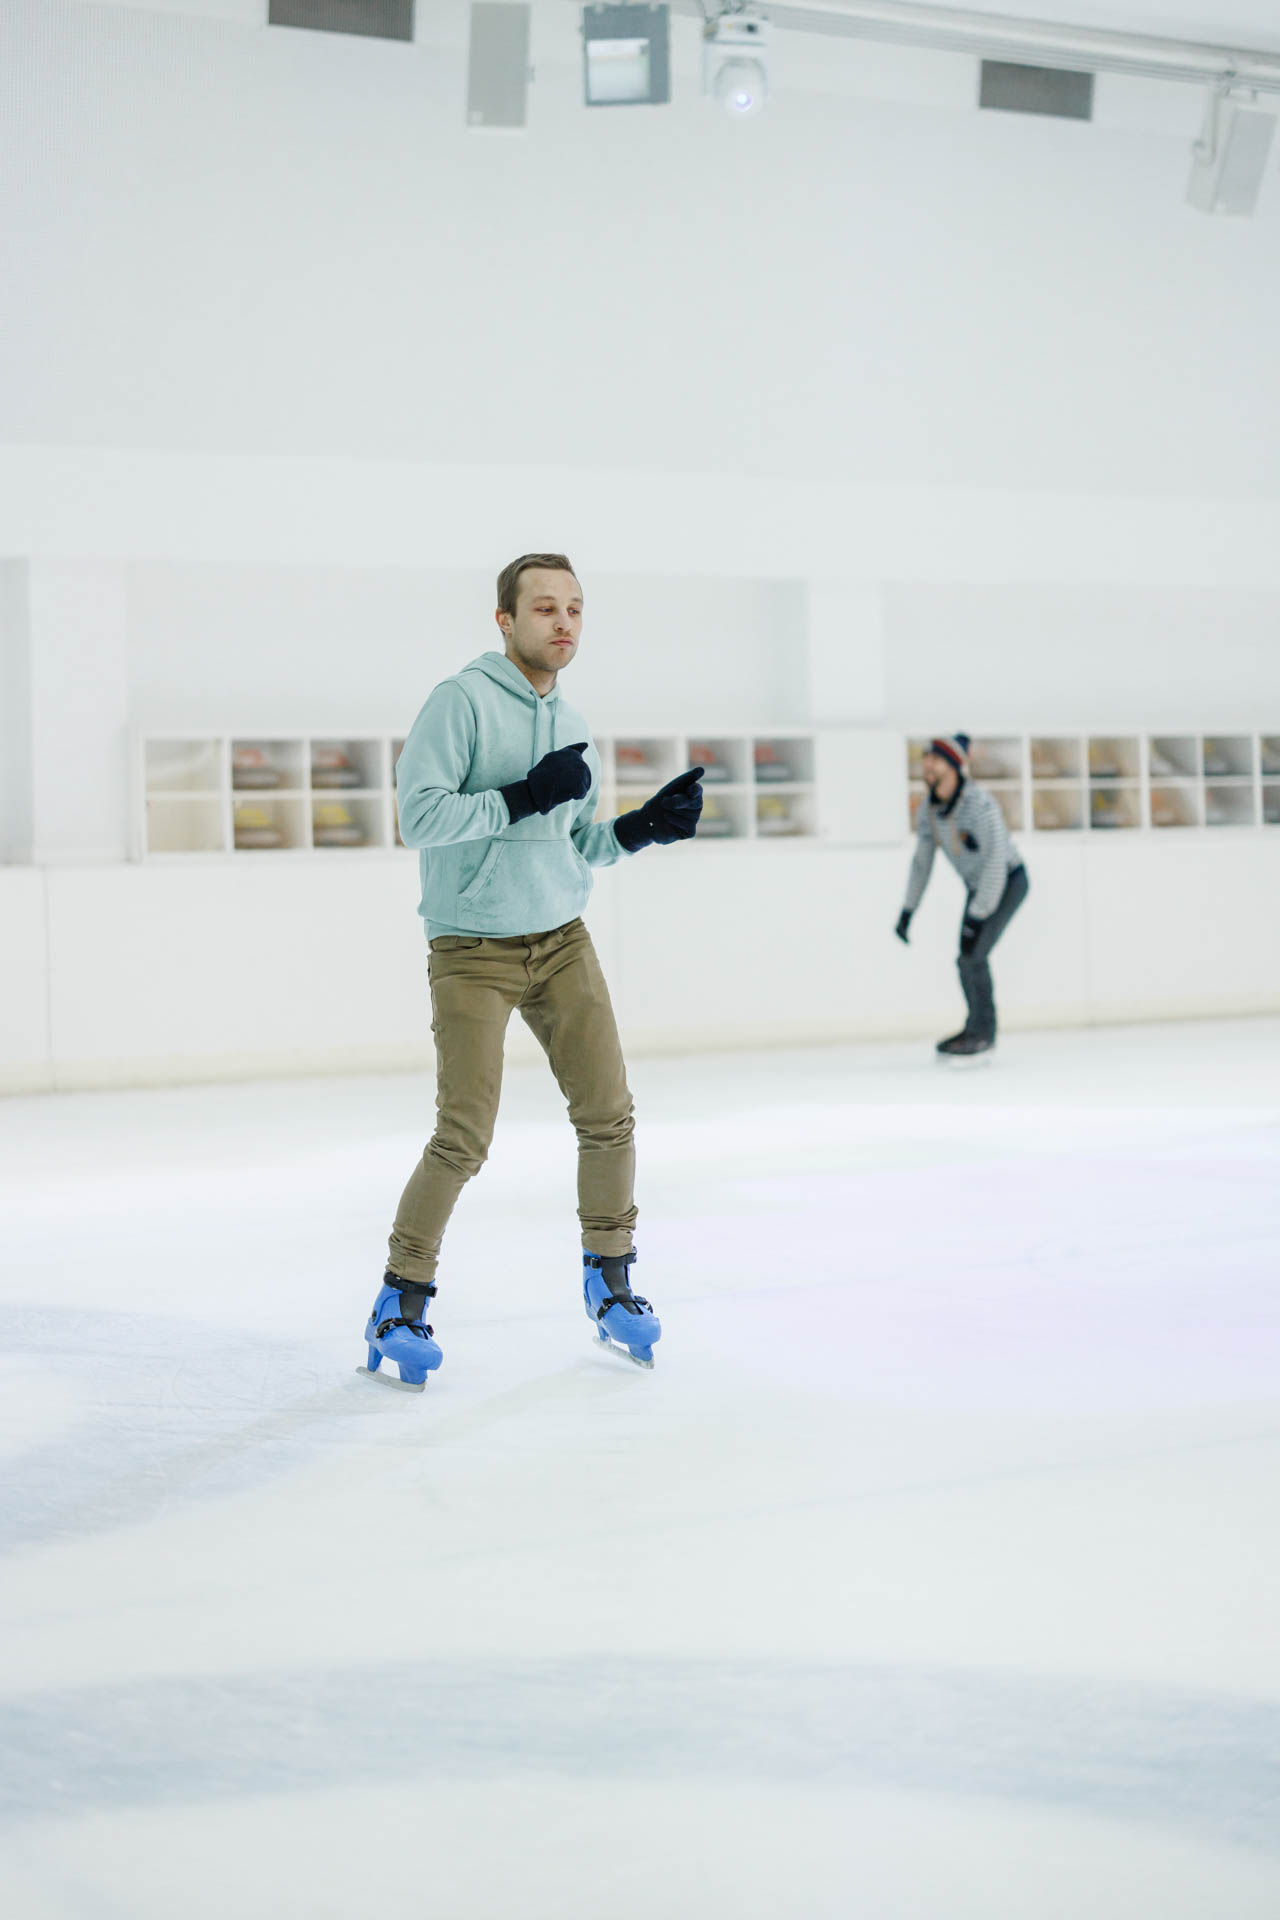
(396,1331)
(623,1320)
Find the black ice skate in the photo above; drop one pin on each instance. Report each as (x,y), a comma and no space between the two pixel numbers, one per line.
(964,1046)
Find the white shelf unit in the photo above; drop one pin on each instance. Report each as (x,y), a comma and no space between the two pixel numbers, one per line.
(298,794)
(259,793)
(1121,780)
(756,786)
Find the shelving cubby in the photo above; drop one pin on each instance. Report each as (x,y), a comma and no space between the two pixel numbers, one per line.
(220,794)
(1056,764)
(184,784)
(1121,782)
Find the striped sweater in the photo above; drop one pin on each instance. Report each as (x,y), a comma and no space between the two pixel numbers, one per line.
(975,839)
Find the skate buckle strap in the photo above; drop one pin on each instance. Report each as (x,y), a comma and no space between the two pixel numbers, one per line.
(415,1326)
(633,1302)
(394,1280)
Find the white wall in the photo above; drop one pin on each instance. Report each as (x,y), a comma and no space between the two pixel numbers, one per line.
(350,648)
(346,648)
(1077,656)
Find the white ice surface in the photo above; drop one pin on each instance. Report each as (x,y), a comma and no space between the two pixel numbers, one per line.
(933,1574)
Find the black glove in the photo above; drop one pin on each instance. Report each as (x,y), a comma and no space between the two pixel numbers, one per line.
(904,921)
(671,814)
(559,776)
(970,930)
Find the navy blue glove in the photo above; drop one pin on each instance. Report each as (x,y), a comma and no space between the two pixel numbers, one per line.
(671,814)
(970,932)
(559,776)
(904,921)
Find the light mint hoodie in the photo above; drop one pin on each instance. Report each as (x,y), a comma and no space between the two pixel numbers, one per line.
(480,730)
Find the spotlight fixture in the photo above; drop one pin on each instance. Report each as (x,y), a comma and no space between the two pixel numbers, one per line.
(1229,160)
(735,69)
(626,53)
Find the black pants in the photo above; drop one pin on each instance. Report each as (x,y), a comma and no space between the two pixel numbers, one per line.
(975,969)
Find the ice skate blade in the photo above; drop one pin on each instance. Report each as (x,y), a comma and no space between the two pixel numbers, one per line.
(401,1386)
(966,1062)
(623,1353)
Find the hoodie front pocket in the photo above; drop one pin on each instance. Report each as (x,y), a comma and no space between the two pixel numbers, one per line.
(484,873)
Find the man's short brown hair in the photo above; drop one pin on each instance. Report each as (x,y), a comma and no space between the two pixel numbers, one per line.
(509,578)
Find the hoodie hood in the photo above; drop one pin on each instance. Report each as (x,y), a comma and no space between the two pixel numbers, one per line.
(542,710)
(508,675)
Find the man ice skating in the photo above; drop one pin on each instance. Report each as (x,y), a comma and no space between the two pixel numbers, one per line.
(497,787)
(969,827)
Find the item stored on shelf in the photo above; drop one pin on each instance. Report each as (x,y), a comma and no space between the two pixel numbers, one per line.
(774,815)
(331,767)
(1171,808)
(250,767)
(715,823)
(1045,763)
(254,827)
(1271,753)
(1057,811)
(633,762)
(1228,806)
(332,825)
(1105,761)
(705,756)
(769,763)
(1271,806)
(1112,807)
(992,760)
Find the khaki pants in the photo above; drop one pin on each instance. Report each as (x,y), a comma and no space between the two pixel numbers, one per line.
(556,982)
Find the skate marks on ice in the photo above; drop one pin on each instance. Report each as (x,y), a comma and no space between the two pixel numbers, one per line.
(147,1428)
(127,1431)
(1205,1765)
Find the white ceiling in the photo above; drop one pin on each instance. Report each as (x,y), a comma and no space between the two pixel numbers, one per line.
(1255,22)
(1223,22)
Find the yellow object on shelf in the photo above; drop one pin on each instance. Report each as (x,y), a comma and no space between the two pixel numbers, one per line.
(254,827)
(775,815)
(333,825)
(715,823)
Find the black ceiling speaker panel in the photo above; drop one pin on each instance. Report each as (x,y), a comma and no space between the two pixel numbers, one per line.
(1053,90)
(376,19)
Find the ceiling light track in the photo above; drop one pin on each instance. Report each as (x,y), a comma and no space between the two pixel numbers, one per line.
(1041,43)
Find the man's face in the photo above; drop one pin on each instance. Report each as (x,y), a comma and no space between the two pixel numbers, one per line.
(544,630)
(940,776)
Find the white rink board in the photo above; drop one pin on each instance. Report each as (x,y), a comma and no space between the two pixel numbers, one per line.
(225,970)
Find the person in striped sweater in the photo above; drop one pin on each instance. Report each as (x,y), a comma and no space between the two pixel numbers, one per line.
(969,827)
